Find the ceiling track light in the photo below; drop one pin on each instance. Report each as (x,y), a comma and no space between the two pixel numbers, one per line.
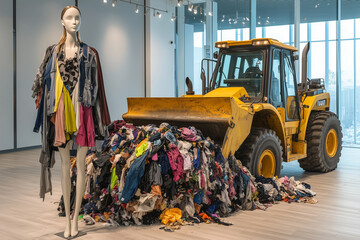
(196,9)
(179,3)
(190,7)
(157,12)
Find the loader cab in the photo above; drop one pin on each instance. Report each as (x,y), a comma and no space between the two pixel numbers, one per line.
(282,84)
(265,68)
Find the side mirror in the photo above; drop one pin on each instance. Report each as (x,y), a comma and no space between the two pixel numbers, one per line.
(216,55)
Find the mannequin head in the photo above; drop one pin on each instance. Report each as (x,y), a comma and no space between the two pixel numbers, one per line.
(71,21)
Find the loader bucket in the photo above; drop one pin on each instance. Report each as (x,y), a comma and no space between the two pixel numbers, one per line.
(216,117)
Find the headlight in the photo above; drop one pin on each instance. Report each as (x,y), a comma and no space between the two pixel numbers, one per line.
(221,45)
(260,42)
(321,103)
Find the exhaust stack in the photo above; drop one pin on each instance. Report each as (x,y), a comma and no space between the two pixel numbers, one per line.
(304,67)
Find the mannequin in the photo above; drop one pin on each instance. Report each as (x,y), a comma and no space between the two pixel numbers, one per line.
(71,103)
(71,21)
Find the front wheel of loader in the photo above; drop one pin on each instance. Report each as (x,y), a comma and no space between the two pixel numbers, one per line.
(261,153)
(324,142)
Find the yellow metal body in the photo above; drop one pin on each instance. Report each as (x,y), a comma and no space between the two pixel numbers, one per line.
(220,115)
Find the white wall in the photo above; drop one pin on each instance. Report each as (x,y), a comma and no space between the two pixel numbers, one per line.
(117,34)
(160,52)
(6,76)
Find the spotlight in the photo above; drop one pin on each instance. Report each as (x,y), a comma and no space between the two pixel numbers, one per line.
(210,13)
(105,1)
(196,9)
(179,3)
(190,7)
(158,14)
(137,9)
(173,18)
(113,3)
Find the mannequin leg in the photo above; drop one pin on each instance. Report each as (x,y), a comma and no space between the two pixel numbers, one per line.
(80,186)
(66,184)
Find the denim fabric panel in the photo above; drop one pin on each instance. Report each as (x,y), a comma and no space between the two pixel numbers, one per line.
(52,83)
(81,79)
(133,178)
(40,115)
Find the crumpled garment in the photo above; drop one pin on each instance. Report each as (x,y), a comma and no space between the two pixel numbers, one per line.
(164,163)
(171,215)
(142,147)
(176,162)
(196,161)
(170,136)
(155,174)
(184,148)
(146,203)
(305,192)
(198,197)
(187,134)
(187,206)
(114,178)
(86,133)
(133,178)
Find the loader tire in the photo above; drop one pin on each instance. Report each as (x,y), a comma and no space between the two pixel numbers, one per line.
(261,153)
(324,142)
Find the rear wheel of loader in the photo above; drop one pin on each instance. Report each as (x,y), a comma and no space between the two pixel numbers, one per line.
(324,143)
(261,153)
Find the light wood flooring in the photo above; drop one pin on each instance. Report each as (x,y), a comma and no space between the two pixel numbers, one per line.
(23,215)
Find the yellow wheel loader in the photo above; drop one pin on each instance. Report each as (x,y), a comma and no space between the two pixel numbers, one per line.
(253,106)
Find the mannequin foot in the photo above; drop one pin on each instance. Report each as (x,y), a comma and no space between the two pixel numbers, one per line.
(67,230)
(74,228)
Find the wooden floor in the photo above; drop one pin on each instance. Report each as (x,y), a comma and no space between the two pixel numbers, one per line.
(23,215)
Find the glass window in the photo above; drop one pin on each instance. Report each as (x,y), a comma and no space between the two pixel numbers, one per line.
(317,59)
(357,108)
(259,32)
(317,31)
(303,32)
(229,34)
(332,30)
(331,82)
(347,90)
(246,34)
(280,33)
(275,91)
(289,76)
(347,29)
(241,69)
(357,24)
(289,81)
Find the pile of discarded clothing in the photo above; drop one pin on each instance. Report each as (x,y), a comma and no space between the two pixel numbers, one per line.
(148,174)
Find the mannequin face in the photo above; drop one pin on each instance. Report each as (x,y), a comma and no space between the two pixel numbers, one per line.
(71,20)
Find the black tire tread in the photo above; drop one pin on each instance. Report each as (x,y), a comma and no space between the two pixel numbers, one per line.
(246,151)
(313,162)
